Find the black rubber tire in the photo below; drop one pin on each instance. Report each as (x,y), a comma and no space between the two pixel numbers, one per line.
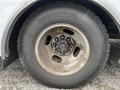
(69,13)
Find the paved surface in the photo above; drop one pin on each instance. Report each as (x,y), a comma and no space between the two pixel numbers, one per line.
(16,77)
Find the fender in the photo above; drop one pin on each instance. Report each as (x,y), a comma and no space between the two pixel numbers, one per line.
(13,10)
(20,6)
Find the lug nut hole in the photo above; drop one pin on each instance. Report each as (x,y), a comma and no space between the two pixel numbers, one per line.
(76,52)
(56,59)
(48,40)
(68,31)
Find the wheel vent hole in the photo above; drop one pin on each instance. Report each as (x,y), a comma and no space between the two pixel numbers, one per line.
(68,31)
(48,40)
(57,59)
(76,52)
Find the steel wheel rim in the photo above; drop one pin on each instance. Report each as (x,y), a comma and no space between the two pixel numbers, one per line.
(53,61)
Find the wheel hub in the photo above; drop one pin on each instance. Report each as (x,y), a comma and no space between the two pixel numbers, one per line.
(62,49)
(62,44)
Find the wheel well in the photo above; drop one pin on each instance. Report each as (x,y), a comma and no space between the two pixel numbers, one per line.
(106,18)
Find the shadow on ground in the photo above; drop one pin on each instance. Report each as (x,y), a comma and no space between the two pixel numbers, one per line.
(15,77)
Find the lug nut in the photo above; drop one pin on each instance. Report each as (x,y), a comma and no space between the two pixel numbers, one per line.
(68,39)
(62,36)
(63,53)
(54,44)
(68,51)
(58,50)
(56,39)
(70,45)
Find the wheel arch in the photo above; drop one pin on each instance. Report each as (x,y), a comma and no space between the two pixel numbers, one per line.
(10,45)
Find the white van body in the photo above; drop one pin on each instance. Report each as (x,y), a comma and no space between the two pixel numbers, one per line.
(11,9)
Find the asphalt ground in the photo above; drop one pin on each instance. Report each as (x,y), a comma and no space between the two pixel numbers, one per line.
(15,77)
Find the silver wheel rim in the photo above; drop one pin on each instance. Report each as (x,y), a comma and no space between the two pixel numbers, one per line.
(62,49)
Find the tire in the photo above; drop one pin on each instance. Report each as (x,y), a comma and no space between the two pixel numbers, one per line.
(72,14)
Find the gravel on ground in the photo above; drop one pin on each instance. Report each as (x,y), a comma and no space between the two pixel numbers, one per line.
(15,77)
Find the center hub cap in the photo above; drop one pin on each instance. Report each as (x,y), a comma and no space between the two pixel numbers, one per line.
(62,44)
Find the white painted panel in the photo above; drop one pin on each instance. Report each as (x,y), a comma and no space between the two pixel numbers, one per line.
(7,7)
(9,10)
(113,6)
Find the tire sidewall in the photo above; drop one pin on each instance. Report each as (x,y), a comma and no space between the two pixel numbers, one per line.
(79,18)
